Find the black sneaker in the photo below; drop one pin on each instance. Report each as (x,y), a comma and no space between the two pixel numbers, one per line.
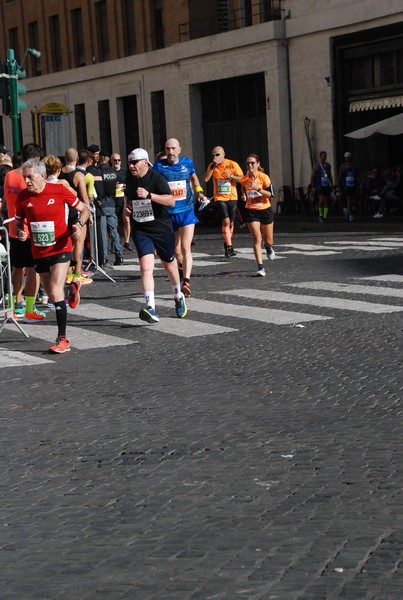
(118,261)
(129,247)
(229,251)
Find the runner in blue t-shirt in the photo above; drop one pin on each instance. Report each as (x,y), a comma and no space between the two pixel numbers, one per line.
(183,181)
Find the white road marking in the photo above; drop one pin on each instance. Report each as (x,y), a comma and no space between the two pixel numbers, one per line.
(172,325)
(387,278)
(11,358)
(368,290)
(310,253)
(356,245)
(251,312)
(79,337)
(321,302)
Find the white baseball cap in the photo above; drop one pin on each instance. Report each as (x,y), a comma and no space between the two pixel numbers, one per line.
(347,155)
(139,154)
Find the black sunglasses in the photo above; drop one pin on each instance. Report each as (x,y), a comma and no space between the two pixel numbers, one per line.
(218,154)
(250,163)
(134,162)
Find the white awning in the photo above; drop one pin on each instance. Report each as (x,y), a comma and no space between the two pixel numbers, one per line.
(376,103)
(391,126)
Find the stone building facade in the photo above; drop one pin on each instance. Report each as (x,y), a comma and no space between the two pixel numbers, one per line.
(283,78)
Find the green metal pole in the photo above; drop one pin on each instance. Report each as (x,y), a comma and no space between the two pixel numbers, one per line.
(13,87)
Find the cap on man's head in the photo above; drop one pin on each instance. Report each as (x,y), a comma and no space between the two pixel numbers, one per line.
(104,153)
(3,149)
(93,148)
(139,154)
(348,155)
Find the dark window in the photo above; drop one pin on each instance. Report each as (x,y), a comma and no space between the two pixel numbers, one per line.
(13,42)
(56,49)
(158,117)
(105,136)
(77,27)
(223,15)
(234,99)
(102,34)
(34,65)
(128,27)
(159,31)
(131,122)
(81,125)
(234,114)
(361,73)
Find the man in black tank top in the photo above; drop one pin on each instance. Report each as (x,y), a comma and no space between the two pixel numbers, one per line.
(76,180)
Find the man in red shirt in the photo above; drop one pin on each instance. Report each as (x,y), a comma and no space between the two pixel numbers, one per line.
(43,205)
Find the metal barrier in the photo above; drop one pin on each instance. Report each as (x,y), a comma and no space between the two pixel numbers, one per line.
(6,288)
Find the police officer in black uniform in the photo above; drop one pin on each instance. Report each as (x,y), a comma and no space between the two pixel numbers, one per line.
(109,222)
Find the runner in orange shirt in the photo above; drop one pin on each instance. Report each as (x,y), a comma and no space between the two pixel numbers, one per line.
(224,172)
(22,261)
(259,214)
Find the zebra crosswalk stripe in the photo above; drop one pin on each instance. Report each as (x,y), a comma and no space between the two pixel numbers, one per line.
(12,358)
(386,278)
(171,324)
(331,286)
(79,337)
(319,301)
(251,312)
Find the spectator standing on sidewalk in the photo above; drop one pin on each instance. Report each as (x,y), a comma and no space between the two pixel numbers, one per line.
(121,174)
(322,181)
(348,182)
(109,219)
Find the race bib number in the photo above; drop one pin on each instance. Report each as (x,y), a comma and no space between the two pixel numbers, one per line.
(43,233)
(324,181)
(253,197)
(223,186)
(142,210)
(178,189)
(350,181)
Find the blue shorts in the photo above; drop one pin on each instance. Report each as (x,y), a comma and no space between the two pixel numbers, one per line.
(146,243)
(187,217)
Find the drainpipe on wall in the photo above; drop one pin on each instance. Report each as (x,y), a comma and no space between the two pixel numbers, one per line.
(284,42)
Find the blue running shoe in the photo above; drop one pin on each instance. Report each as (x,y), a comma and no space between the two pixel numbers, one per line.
(180,307)
(149,315)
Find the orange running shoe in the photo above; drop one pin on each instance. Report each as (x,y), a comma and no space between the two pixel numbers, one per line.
(74,296)
(61,345)
(35,316)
